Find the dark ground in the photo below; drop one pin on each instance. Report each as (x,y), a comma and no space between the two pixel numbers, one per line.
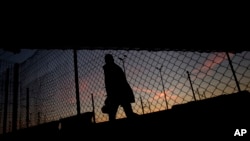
(210,118)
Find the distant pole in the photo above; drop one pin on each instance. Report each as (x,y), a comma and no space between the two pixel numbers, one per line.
(27,107)
(77,84)
(6,101)
(235,78)
(149,106)
(198,93)
(15,97)
(191,85)
(38,117)
(123,63)
(93,105)
(165,95)
(204,94)
(142,105)
(20,122)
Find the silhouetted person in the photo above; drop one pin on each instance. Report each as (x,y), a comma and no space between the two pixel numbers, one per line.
(118,90)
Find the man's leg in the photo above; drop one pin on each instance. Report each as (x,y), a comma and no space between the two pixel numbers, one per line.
(128,110)
(112,112)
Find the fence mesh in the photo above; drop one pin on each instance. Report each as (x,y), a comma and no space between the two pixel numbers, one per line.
(6,96)
(159,79)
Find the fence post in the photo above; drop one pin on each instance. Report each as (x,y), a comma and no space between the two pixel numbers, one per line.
(93,105)
(38,118)
(6,101)
(15,97)
(76,83)
(198,93)
(149,106)
(27,107)
(235,78)
(142,105)
(165,95)
(191,85)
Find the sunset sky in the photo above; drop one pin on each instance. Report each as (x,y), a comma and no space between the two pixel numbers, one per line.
(50,77)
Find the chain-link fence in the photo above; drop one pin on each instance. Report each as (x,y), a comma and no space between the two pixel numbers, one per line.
(6,95)
(159,79)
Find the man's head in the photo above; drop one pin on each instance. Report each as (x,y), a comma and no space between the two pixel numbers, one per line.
(109,58)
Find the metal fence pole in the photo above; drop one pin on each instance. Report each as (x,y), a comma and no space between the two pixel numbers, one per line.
(191,85)
(165,95)
(198,93)
(123,63)
(77,84)
(93,105)
(15,97)
(142,105)
(231,65)
(149,106)
(27,107)
(6,101)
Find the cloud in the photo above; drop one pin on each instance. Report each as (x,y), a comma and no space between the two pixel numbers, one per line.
(145,90)
(169,95)
(212,61)
(157,94)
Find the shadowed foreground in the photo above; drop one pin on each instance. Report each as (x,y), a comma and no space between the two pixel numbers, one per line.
(214,117)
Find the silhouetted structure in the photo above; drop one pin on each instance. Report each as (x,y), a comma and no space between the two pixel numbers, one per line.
(118,90)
